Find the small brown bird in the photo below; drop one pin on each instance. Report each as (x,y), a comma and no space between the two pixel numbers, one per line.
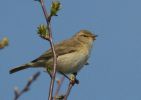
(72,54)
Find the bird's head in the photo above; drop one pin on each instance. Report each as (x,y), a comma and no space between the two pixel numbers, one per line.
(85,36)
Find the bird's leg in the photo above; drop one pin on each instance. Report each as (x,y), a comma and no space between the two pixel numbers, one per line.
(72,77)
(64,75)
(75,79)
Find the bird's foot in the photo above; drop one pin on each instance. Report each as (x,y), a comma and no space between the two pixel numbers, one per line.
(73,79)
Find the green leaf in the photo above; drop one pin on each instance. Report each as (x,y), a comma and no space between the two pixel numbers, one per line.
(42,30)
(55,7)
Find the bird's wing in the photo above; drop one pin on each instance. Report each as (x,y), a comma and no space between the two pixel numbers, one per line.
(65,47)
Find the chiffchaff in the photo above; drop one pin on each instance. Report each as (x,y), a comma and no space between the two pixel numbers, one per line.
(72,54)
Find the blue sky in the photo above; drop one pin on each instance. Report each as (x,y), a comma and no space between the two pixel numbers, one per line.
(114,72)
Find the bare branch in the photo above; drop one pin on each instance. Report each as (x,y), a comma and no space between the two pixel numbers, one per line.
(27,86)
(73,81)
(48,19)
(59,82)
(68,91)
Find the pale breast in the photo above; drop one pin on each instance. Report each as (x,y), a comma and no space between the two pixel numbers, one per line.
(72,62)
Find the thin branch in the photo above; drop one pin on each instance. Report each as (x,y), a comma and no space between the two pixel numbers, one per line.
(68,91)
(72,82)
(59,82)
(27,86)
(48,19)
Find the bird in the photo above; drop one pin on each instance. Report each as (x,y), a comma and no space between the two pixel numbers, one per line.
(72,54)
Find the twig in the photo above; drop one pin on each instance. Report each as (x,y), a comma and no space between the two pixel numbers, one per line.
(68,91)
(27,86)
(60,82)
(48,19)
(73,81)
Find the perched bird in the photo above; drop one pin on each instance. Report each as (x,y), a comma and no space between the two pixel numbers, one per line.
(72,54)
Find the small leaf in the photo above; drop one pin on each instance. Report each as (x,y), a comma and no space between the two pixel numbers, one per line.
(4,42)
(61,97)
(55,7)
(72,77)
(42,30)
(49,69)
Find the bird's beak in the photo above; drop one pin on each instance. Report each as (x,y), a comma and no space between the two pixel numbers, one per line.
(94,37)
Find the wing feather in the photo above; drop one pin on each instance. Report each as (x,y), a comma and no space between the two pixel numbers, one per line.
(64,47)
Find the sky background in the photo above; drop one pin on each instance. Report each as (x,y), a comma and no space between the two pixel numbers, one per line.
(114,72)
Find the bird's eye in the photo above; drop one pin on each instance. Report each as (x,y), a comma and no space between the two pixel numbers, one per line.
(84,35)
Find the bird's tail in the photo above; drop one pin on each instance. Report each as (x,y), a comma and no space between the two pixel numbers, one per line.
(19,68)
